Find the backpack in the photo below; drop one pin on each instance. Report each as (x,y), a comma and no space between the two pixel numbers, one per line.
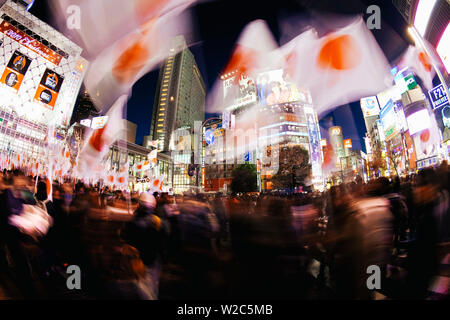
(33,220)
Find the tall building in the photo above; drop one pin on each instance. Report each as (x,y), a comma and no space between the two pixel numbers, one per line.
(269,111)
(180,95)
(131,129)
(85,108)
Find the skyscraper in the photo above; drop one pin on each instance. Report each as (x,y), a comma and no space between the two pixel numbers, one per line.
(180,95)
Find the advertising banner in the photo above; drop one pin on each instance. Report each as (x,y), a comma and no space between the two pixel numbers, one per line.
(370,106)
(48,88)
(32,44)
(314,136)
(15,70)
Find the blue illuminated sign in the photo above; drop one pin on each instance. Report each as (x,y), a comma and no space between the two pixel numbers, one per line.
(437,96)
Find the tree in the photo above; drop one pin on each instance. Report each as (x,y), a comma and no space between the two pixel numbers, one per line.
(294,168)
(244,178)
(378,163)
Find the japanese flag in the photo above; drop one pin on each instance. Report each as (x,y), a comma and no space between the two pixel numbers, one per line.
(115,70)
(417,59)
(252,53)
(153,158)
(290,55)
(329,163)
(100,23)
(156,184)
(342,67)
(99,140)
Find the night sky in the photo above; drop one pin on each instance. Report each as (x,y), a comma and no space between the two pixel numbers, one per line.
(217,25)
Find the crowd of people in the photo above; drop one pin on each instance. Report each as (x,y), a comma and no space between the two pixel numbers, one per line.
(160,246)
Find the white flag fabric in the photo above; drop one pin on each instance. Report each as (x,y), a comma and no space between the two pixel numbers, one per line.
(100,23)
(156,184)
(252,54)
(420,63)
(153,157)
(290,54)
(342,67)
(118,67)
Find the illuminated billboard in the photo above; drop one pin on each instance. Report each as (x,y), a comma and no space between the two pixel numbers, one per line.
(418,121)
(15,70)
(348,143)
(389,120)
(422,15)
(273,88)
(370,106)
(394,93)
(438,96)
(239,93)
(48,89)
(443,48)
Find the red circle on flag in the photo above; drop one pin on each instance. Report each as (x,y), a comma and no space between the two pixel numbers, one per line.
(425,61)
(97,140)
(49,186)
(425,135)
(148,8)
(130,63)
(339,53)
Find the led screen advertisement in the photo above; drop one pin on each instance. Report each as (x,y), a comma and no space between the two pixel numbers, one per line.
(239,93)
(389,120)
(273,87)
(370,106)
(15,70)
